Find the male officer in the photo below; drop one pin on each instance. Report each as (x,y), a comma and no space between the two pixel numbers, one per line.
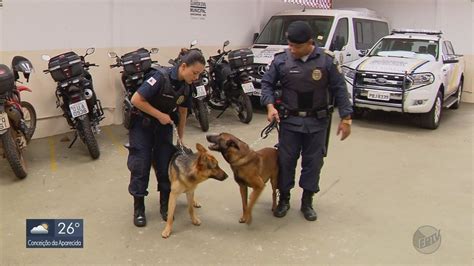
(151,133)
(310,78)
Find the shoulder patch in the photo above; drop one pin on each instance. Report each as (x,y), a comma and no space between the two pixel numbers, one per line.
(151,81)
(328,52)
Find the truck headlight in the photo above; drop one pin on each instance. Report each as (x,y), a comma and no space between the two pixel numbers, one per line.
(419,80)
(349,74)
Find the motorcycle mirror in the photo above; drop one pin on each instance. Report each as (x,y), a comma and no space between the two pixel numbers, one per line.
(90,51)
(112,54)
(226,43)
(46,57)
(193,43)
(219,51)
(154,50)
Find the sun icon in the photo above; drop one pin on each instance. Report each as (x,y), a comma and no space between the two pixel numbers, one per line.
(45,226)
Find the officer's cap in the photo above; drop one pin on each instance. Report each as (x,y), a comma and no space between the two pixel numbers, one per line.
(299,32)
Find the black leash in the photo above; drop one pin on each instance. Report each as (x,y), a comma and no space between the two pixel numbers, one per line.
(266,130)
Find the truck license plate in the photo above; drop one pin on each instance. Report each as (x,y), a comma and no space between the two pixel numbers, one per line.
(378,95)
(79,108)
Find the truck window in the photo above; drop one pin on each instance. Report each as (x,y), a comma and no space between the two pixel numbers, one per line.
(450,48)
(275,30)
(367,32)
(341,35)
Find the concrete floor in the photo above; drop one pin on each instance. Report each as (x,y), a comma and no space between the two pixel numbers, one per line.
(389,178)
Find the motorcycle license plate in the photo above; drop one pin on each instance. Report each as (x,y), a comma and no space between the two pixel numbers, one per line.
(4,123)
(79,108)
(200,91)
(378,95)
(248,87)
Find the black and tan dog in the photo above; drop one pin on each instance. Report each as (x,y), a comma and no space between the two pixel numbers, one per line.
(251,169)
(186,171)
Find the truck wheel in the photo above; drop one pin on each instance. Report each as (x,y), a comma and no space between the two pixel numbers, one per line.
(458,96)
(431,119)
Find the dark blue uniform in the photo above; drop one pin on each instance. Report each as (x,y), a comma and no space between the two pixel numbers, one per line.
(307,88)
(150,140)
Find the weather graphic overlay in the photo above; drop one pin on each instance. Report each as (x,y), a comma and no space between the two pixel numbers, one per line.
(54,233)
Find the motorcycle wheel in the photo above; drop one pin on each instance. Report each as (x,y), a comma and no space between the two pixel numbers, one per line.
(200,112)
(244,108)
(85,130)
(13,154)
(29,115)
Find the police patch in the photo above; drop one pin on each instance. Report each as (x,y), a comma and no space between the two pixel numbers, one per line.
(317,74)
(180,100)
(151,81)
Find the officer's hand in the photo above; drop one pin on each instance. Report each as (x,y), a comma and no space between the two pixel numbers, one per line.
(345,129)
(164,119)
(272,114)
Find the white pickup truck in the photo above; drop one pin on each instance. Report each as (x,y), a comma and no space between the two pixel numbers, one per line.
(409,71)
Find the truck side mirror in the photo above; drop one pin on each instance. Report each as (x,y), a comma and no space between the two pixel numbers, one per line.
(255,36)
(450,61)
(363,53)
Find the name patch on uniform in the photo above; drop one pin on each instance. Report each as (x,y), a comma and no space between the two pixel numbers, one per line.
(317,74)
(180,100)
(151,81)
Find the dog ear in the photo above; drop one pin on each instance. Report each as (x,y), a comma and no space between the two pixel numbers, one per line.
(200,148)
(232,143)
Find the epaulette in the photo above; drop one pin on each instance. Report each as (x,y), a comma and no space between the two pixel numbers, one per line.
(328,52)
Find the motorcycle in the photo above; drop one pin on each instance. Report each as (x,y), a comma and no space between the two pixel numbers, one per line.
(231,83)
(200,90)
(136,66)
(76,97)
(17,117)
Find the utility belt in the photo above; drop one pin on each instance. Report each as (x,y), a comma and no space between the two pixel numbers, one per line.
(319,113)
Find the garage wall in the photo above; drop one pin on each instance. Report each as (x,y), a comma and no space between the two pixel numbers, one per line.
(453,17)
(32,28)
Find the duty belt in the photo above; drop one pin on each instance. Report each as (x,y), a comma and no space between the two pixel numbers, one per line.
(322,113)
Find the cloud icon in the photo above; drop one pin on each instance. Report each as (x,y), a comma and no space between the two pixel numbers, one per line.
(39,230)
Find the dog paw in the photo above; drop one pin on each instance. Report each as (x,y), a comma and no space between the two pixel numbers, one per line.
(249,220)
(196,204)
(242,220)
(166,233)
(196,221)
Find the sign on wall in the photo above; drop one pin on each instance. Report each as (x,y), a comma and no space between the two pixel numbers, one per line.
(324,4)
(197,9)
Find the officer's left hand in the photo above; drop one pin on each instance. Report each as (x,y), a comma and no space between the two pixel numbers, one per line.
(345,129)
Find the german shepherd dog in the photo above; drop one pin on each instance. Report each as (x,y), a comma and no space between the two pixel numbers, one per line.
(251,169)
(186,171)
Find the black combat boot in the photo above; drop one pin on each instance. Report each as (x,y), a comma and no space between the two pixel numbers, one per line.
(307,206)
(164,196)
(139,218)
(283,205)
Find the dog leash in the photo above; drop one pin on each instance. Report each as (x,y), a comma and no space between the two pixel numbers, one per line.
(180,145)
(266,130)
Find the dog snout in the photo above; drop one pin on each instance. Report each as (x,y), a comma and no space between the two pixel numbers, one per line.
(221,175)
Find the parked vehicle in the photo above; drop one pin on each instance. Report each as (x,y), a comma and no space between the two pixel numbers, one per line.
(230,82)
(136,65)
(17,117)
(76,97)
(346,32)
(200,90)
(409,71)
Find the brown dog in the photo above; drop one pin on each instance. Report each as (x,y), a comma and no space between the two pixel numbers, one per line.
(186,171)
(251,168)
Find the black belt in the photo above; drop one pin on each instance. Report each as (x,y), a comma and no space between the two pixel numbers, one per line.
(322,113)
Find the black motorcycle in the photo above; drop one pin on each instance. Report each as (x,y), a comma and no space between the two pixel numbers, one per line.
(136,65)
(17,117)
(76,97)
(231,83)
(200,90)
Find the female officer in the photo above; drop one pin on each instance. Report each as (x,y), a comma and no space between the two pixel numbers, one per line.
(163,100)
